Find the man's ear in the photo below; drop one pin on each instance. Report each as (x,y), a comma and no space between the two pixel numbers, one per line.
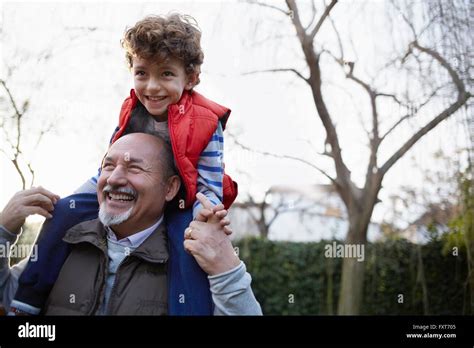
(192,80)
(174,183)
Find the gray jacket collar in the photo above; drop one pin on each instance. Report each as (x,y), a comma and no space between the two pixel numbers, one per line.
(153,249)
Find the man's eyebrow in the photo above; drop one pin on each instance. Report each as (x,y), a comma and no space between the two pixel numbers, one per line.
(134,160)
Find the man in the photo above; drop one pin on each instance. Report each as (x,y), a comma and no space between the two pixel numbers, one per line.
(118,263)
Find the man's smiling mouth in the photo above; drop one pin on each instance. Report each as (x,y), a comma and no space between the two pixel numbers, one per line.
(119,194)
(120,197)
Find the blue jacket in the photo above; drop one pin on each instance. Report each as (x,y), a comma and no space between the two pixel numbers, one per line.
(188,292)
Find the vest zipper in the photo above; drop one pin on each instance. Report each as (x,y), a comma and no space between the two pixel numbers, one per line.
(107,309)
(103,273)
(126,258)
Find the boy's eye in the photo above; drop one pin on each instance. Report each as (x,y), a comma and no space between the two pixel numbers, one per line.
(139,73)
(168,73)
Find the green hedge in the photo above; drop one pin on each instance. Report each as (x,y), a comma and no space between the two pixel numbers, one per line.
(297,279)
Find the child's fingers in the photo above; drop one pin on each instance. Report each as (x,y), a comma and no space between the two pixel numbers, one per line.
(203,215)
(206,203)
(225,222)
(218,207)
(221,214)
(228,231)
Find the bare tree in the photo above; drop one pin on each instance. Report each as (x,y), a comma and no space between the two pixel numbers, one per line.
(265,212)
(13,133)
(421,58)
(16,129)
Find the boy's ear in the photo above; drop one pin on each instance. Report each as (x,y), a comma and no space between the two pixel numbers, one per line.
(191,81)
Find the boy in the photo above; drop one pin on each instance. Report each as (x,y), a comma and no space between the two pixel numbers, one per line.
(165,56)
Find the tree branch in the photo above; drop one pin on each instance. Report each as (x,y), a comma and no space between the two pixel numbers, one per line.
(394,97)
(269,6)
(407,116)
(296,72)
(412,28)
(313,15)
(322,19)
(338,37)
(436,56)
(18,169)
(252,204)
(12,101)
(238,143)
(344,183)
(374,137)
(417,136)
(300,31)
(462,98)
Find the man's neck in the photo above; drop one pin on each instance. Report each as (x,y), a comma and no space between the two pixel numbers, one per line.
(123,230)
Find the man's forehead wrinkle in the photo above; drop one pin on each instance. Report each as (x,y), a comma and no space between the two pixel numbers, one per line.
(126,156)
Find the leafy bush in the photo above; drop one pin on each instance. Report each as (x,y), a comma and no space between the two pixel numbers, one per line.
(297,279)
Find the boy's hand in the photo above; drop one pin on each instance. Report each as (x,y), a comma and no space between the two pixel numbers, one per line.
(36,200)
(213,214)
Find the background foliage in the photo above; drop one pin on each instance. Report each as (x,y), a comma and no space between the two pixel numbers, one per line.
(393,268)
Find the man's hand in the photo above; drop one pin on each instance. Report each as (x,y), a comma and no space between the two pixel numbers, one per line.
(213,214)
(36,200)
(209,242)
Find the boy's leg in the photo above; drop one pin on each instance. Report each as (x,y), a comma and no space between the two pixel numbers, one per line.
(188,291)
(39,276)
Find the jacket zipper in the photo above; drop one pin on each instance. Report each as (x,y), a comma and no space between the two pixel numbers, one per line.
(103,272)
(107,310)
(126,258)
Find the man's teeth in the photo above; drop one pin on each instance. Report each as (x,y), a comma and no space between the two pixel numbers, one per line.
(121,197)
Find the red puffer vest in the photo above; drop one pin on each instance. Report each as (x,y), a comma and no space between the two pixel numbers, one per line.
(191,123)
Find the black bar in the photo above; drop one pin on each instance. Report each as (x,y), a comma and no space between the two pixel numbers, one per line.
(290,330)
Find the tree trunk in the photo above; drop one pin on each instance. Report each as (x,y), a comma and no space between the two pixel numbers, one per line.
(330,286)
(263,229)
(352,286)
(352,279)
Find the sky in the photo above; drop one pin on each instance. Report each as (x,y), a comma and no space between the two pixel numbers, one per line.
(80,86)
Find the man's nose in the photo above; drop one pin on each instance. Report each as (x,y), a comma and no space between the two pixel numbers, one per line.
(118,177)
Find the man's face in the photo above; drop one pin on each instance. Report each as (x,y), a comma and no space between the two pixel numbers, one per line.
(159,84)
(131,189)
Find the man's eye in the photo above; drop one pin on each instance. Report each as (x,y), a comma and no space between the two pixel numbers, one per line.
(108,166)
(134,169)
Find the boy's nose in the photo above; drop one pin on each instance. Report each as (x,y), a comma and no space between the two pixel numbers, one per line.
(153,85)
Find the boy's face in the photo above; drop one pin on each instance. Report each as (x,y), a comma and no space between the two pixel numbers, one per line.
(159,84)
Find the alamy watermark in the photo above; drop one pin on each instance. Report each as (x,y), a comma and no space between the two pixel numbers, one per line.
(37,331)
(20,251)
(335,250)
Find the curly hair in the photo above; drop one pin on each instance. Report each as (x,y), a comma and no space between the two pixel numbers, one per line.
(162,37)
